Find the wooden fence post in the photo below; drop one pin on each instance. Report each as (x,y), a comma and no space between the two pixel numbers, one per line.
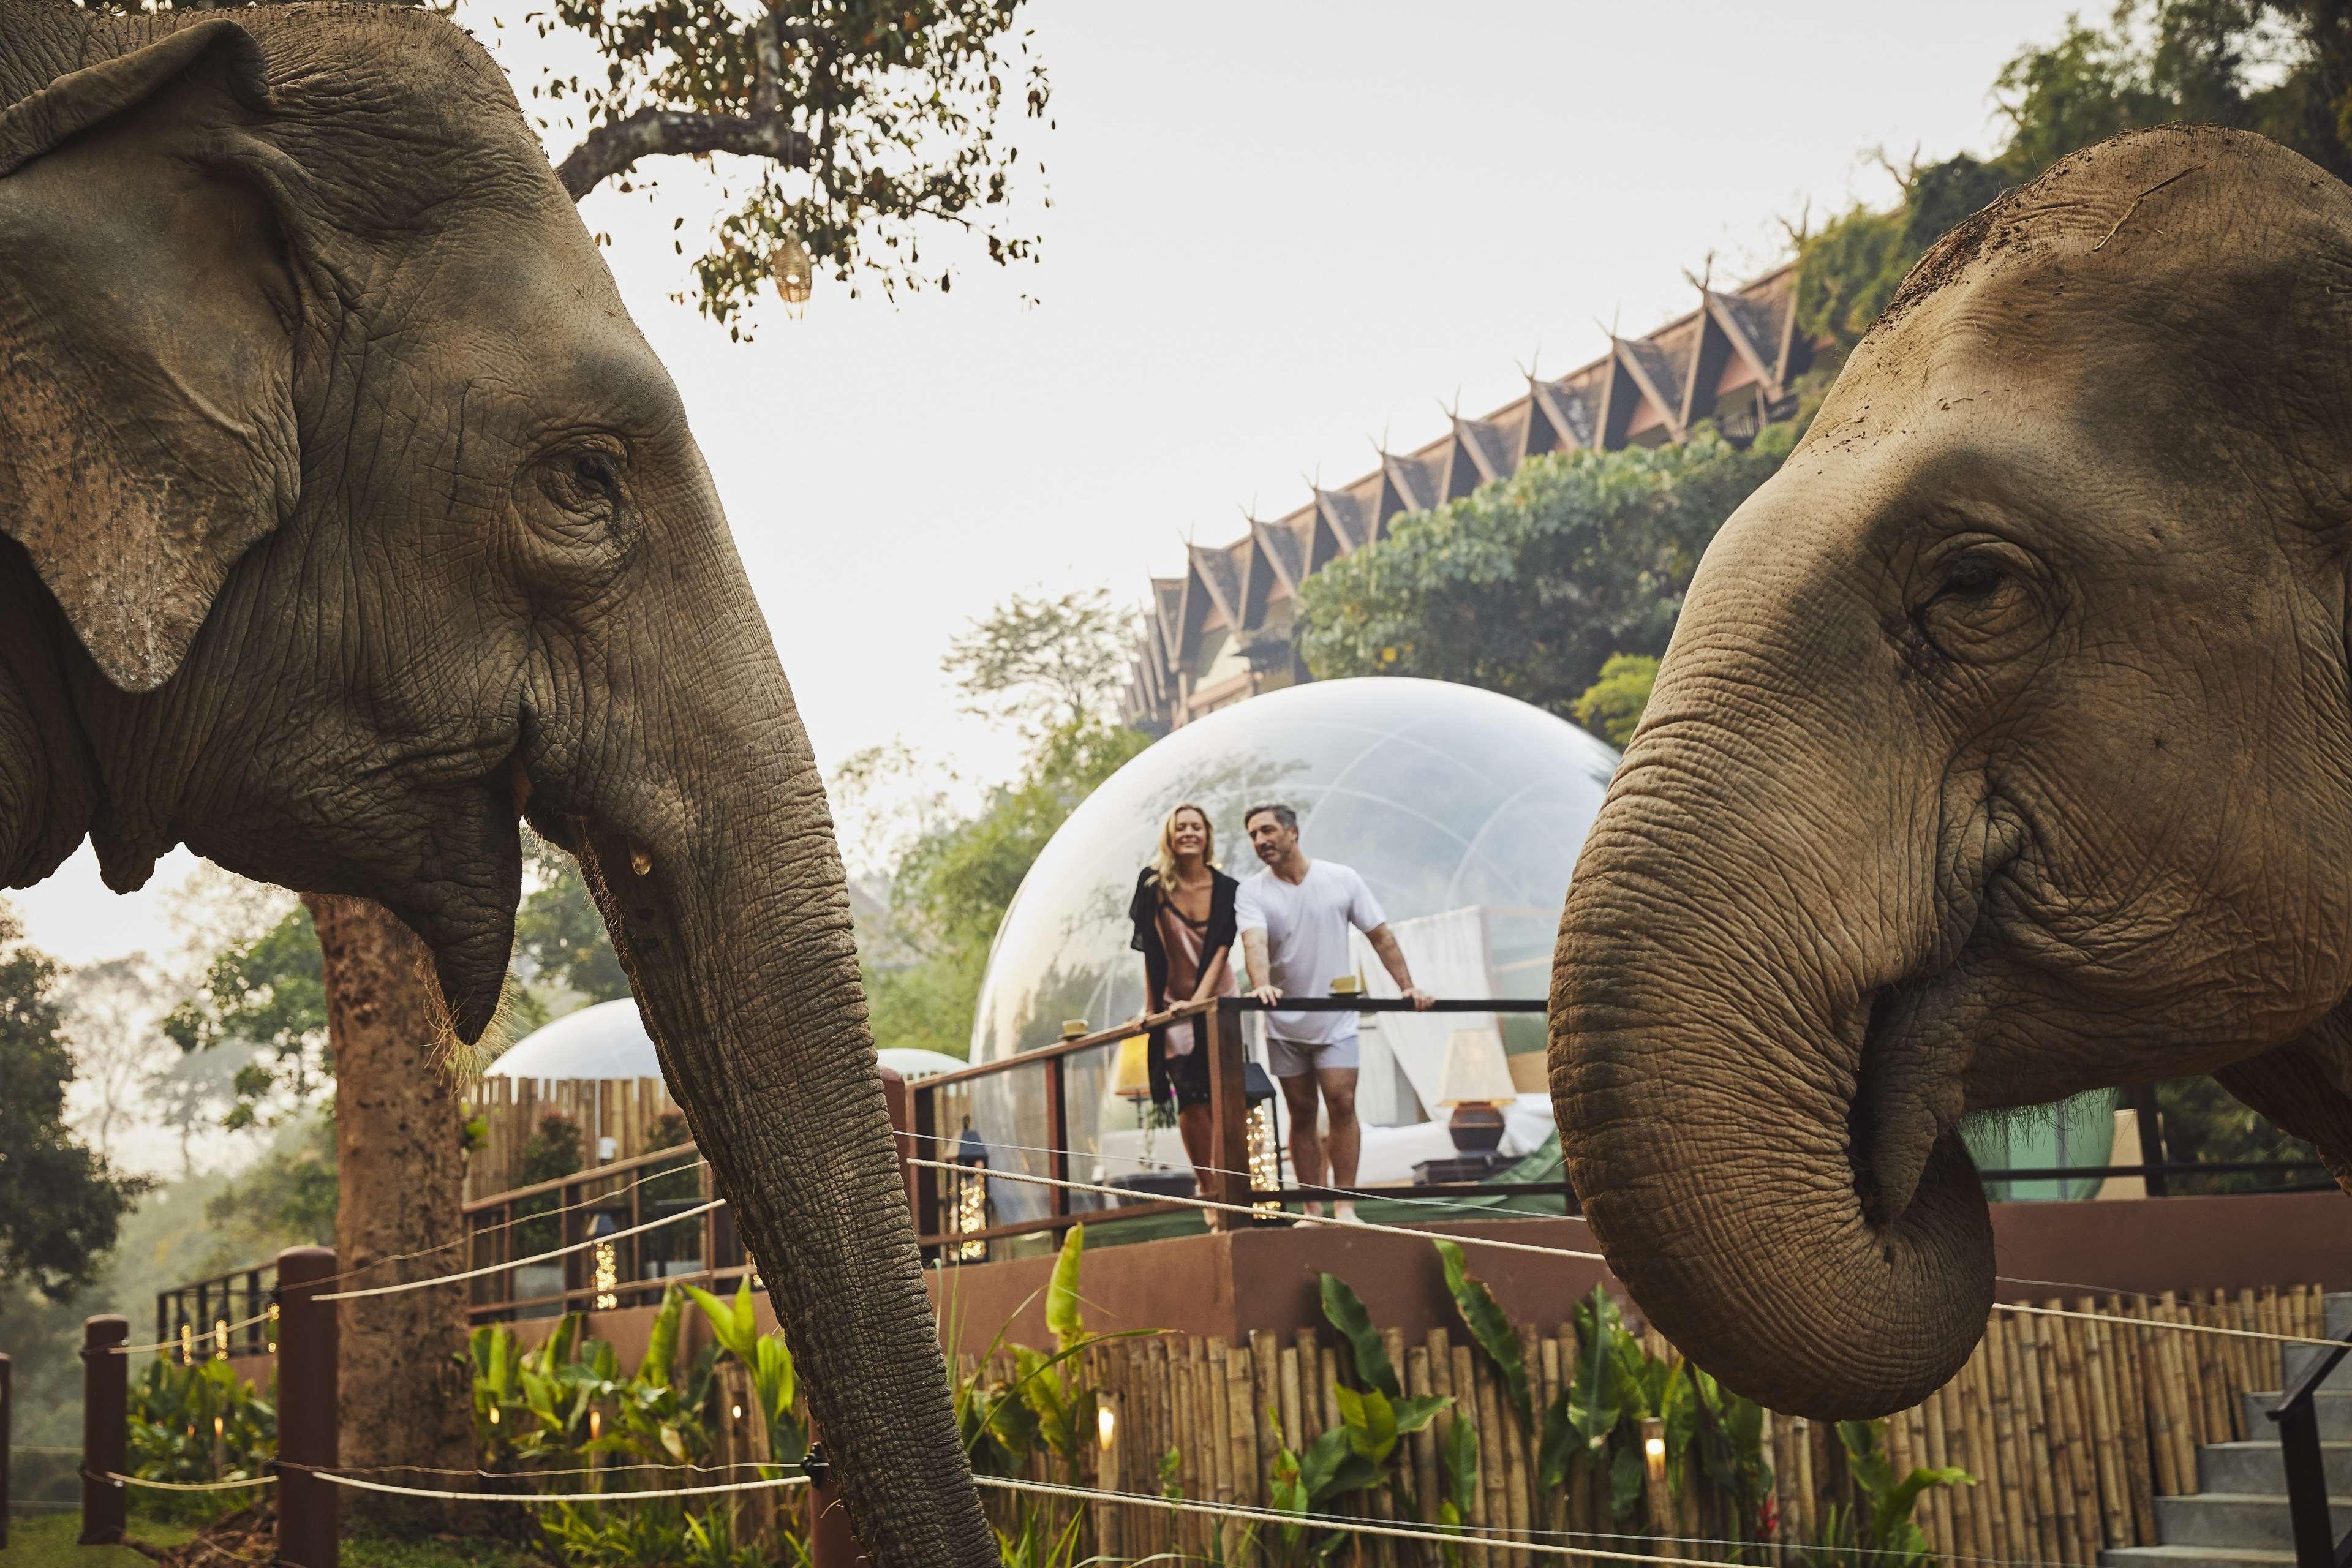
(105,1428)
(832,1543)
(1228,1182)
(7,1422)
(308,1442)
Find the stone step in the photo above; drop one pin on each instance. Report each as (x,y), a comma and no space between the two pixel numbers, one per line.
(2236,1521)
(2333,1406)
(2260,1467)
(2193,1557)
(2299,1359)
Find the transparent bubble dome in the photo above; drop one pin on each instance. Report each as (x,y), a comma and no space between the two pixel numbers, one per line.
(1441,796)
(1444,796)
(1460,808)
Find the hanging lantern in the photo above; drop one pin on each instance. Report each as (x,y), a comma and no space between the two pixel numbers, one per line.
(793,273)
(971,1208)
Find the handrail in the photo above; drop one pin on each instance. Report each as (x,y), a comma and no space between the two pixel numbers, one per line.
(586,1174)
(2297,1416)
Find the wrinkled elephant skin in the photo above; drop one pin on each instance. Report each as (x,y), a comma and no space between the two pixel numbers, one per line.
(344,515)
(2003,751)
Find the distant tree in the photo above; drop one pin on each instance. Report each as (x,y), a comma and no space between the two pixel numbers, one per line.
(1611,706)
(553,1150)
(288,1196)
(559,931)
(2283,67)
(868,126)
(267,992)
(191,1093)
(113,1013)
(1528,585)
(951,887)
(873,123)
(1047,662)
(61,1202)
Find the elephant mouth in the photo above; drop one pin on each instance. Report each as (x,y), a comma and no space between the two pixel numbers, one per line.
(1910,1089)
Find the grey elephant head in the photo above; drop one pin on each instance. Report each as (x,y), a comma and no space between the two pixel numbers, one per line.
(344,514)
(2003,751)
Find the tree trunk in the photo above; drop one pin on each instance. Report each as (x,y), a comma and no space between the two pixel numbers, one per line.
(407,1391)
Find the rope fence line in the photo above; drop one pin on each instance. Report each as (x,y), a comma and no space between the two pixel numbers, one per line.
(1352,1195)
(576,1470)
(1541,1541)
(196,1336)
(2147,1324)
(438,1280)
(120,1480)
(1284,1218)
(534,1498)
(1327,1521)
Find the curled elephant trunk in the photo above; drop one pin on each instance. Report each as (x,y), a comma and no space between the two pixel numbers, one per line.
(735,930)
(1757,1075)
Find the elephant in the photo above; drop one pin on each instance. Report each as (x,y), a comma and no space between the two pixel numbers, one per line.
(2002,753)
(346,519)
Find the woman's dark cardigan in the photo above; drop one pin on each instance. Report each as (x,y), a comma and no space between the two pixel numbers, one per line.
(1143,911)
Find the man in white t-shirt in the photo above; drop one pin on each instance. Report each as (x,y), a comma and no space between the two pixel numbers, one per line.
(1293,918)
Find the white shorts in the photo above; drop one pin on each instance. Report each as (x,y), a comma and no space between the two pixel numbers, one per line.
(1294,1058)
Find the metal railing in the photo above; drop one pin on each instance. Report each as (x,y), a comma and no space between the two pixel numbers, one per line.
(2297,1416)
(203,1314)
(947,1205)
(629,1270)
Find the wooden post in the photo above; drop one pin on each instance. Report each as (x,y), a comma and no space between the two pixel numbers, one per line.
(832,1543)
(7,1393)
(307,1405)
(105,1428)
(1057,1142)
(1229,1181)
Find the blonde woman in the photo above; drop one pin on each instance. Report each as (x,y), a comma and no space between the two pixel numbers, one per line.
(1183,919)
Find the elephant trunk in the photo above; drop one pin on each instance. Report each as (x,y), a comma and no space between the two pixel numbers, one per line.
(733,924)
(1756,1084)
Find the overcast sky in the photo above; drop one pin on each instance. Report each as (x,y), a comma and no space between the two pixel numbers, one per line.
(1277,230)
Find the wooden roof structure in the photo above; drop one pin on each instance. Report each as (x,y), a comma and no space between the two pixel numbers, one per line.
(1221,631)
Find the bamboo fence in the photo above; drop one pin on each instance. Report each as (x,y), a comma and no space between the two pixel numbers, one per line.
(2071,1428)
(629,1111)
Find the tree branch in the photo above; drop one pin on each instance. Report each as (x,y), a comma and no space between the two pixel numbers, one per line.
(614,149)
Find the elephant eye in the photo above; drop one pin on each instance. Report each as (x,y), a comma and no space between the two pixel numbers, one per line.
(584,482)
(1972,577)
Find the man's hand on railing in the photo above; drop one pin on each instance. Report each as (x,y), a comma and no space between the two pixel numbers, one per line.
(1420,999)
(1269,994)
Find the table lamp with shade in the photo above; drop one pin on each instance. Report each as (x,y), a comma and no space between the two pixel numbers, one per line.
(1477,1082)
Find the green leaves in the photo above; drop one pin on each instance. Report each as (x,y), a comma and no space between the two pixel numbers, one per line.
(1490,1329)
(661,1342)
(1891,1501)
(1333,1464)
(1061,1317)
(1345,1311)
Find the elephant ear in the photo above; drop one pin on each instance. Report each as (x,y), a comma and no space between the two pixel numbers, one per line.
(147,429)
(2305,1088)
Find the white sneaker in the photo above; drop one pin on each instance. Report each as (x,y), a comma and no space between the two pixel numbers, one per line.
(1345,1212)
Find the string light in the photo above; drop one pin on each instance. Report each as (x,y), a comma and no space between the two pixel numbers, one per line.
(1106,1425)
(608,1277)
(220,1339)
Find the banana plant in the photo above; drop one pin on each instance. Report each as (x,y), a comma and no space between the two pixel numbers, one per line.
(1887,1537)
(769,1361)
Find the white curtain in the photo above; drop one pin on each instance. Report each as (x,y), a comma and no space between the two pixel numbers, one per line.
(1447,955)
